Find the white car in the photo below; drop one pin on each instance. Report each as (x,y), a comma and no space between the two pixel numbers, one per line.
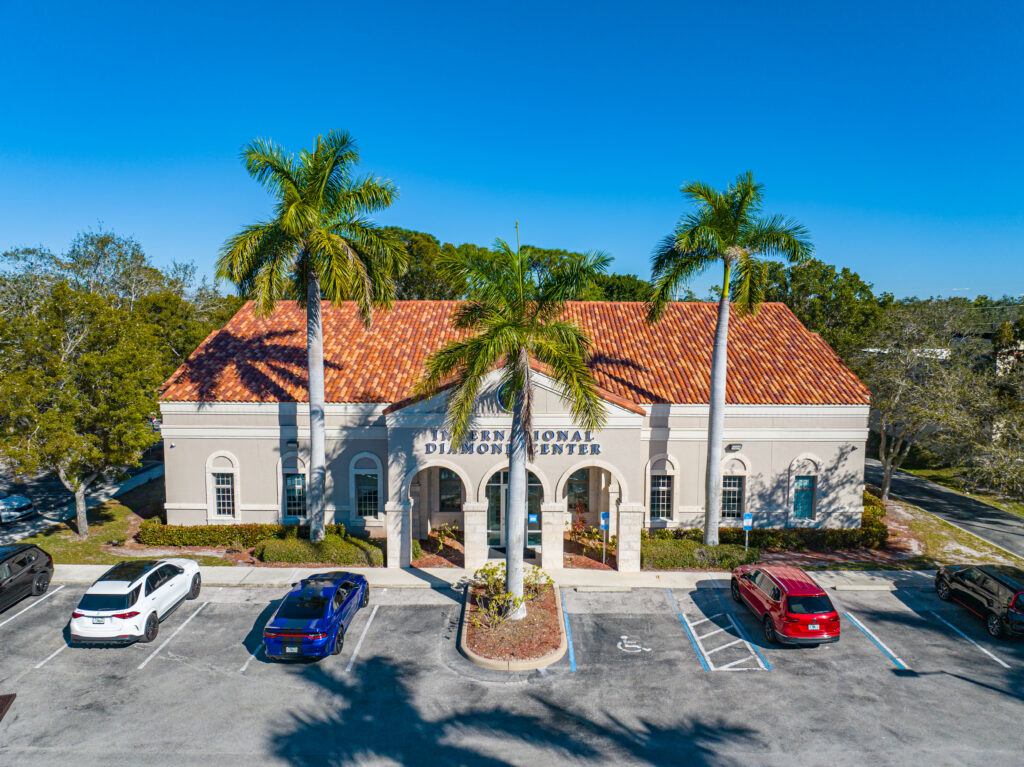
(15,507)
(128,602)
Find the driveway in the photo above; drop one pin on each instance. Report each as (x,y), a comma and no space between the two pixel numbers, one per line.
(987,522)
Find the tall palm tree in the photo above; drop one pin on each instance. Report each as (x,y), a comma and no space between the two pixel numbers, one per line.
(725,228)
(515,309)
(318,244)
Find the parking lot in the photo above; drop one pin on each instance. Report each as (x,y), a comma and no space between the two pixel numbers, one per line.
(654,676)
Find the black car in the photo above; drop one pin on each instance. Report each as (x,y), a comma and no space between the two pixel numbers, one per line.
(24,570)
(992,592)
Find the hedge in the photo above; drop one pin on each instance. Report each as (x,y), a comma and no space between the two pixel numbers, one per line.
(667,553)
(153,532)
(872,534)
(333,549)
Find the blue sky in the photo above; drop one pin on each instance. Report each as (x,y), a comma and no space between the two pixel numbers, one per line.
(892,130)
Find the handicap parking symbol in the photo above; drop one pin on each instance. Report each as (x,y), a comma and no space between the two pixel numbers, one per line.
(631,645)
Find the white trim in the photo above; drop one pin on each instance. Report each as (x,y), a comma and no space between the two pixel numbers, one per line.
(675,434)
(789,411)
(211,493)
(595,463)
(271,408)
(216,431)
(503,466)
(379,471)
(791,519)
(303,469)
(744,462)
(544,421)
(676,494)
(442,463)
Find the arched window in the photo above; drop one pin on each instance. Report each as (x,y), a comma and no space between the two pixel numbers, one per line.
(366,484)
(804,483)
(294,481)
(222,486)
(734,488)
(661,487)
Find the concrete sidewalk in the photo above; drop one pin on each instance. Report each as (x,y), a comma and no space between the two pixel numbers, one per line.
(584,580)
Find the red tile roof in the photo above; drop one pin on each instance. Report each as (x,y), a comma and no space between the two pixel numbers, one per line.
(773,358)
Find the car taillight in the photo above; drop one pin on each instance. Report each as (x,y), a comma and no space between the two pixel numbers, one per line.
(77,614)
(125,616)
(790,619)
(318,635)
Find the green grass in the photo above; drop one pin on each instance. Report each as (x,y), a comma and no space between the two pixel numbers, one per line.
(949,477)
(332,550)
(109,523)
(943,542)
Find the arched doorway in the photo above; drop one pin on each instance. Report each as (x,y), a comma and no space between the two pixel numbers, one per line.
(496,493)
(437,494)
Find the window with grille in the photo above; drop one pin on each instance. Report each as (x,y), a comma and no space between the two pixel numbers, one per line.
(732,497)
(367,495)
(224,494)
(295,495)
(661,496)
(803,497)
(450,490)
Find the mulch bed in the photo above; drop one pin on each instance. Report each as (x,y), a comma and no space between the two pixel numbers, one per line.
(536,635)
(573,555)
(453,554)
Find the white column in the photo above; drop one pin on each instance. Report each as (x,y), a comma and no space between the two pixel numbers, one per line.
(474,534)
(399,530)
(630,523)
(552,535)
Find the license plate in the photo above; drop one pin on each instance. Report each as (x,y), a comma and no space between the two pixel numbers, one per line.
(812,627)
(291,649)
(99,621)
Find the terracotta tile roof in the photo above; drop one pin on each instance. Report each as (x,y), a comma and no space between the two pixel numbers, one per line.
(773,358)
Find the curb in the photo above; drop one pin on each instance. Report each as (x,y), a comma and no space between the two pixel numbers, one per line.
(513,665)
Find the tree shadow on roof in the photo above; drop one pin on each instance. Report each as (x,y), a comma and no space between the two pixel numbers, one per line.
(605,364)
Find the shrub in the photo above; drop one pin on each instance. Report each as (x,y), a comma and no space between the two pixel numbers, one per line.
(333,549)
(534,582)
(153,532)
(492,611)
(417,549)
(661,553)
(447,531)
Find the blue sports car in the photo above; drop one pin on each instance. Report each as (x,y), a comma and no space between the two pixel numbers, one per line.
(312,620)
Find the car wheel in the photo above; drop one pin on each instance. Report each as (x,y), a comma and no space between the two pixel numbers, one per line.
(366,596)
(769,630)
(735,589)
(40,584)
(152,628)
(197,584)
(942,589)
(995,627)
(339,642)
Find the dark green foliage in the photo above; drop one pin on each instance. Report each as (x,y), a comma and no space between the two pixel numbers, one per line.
(417,549)
(664,553)
(621,287)
(153,532)
(425,278)
(333,550)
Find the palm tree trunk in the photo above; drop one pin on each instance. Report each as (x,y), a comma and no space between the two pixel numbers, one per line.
(315,363)
(716,418)
(515,509)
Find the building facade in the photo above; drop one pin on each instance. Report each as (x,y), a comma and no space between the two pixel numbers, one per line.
(235,429)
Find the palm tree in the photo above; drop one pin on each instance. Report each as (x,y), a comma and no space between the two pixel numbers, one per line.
(318,244)
(726,227)
(514,310)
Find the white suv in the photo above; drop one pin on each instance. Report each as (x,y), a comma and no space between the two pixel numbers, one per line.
(128,602)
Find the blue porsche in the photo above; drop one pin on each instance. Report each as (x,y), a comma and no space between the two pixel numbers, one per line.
(312,620)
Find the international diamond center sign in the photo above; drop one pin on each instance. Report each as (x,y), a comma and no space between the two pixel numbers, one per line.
(495,442)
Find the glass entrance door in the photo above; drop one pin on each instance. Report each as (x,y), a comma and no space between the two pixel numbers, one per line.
(497,501)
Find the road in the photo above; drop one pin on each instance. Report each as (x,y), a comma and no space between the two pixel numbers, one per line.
(927,686)
(987,522)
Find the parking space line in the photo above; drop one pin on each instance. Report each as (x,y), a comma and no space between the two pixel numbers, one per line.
(705,620)
(41,599)
(722,647)
(689,633)
(761,660)
(711,633)
(249,659)
(51,656)
(362,636)
(173,634)
(878,642)
(568,635)
(958,631)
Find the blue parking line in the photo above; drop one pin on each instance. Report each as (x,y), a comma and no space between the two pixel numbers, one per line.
(568,635)
(877,643)
(693,640)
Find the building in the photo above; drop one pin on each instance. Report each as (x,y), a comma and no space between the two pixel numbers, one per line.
(235,428)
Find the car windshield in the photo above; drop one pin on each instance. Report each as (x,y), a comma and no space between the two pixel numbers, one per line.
(302,608)
(809,605)
(109,601)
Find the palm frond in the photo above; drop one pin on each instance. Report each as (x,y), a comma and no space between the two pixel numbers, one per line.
(671,268)
(749,284)
(777,235)
(560,351)
(268,163)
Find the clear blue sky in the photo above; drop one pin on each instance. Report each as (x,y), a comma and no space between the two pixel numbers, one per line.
(892,130)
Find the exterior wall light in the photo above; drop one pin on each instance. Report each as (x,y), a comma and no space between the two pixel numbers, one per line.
(735,447)
(292,443)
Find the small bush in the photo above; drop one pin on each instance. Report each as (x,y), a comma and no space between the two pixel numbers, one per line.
(333,549)
(417,549)
(153,532)
(665,553)
(491,612)
(534,582)
(446,532)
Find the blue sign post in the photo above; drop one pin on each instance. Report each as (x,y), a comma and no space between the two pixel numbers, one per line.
(533,518)
(604,529)
(748,525)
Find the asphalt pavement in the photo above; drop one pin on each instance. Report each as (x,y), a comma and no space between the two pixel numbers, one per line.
(987,522)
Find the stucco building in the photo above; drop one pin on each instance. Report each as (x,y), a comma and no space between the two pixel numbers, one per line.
(235,429)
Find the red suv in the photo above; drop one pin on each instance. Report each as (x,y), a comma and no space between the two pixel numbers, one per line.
(792,608)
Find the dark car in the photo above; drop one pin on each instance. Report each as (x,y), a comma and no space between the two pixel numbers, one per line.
(992,592)
(24,570)
(312,620)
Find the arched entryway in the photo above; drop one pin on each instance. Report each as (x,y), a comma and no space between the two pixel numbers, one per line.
(437,493)
(496,495)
